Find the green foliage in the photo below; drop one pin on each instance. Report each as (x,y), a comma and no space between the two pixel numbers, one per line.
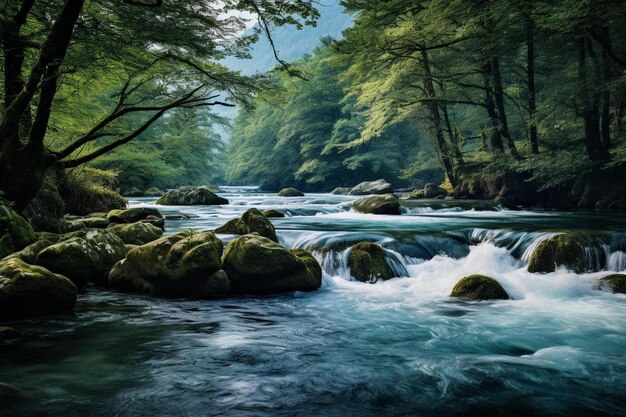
(295,134)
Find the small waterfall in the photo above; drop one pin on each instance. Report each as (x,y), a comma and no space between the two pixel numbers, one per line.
(617,261)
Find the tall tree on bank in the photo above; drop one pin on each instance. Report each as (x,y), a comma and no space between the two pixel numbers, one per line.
(168,51)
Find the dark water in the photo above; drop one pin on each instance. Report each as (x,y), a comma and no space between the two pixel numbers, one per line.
(397,348)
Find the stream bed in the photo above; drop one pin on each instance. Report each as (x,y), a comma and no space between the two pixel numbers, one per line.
(400,347)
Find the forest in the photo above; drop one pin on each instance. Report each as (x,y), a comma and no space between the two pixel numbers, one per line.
(474,96)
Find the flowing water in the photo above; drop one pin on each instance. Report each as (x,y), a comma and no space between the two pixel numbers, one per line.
(400,347)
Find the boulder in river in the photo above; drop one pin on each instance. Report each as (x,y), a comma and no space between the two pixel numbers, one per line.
(378,204)
(138,233)
(290,192)
(615,283)
(250,222)
(258,265)
(133,192)
(479,287)
(153,192)
(372,187)
(367,263)
(84,256)
(432,191)
(191,196)
(133,215)
(273,213)
(560,250)
(413,195)
(185,264)
(30,291)
(341,191)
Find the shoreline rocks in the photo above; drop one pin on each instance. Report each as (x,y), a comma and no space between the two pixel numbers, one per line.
(30,291)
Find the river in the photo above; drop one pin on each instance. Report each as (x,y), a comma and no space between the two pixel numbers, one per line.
(396,348)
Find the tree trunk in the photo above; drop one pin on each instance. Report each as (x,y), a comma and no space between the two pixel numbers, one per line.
(22,165)
(495,139)
(606,97)
(590,116)
(530,68)
(433,108)
(452,133)
(498,94)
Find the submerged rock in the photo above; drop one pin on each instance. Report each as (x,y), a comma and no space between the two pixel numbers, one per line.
(257,265)
(190,196)
(250,222)
(479,287)
(560,250)
(372,187)
(379,204)
(615,283)
(133,215)
(273,213)
(30,291)
(290,192)
(367,263)
(84,256)
(136,233)
(186,264)
(341,191)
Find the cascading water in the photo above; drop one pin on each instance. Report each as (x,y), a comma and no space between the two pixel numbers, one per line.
(396,347)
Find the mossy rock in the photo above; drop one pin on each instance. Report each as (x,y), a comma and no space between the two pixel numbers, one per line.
(413,195)
(153,192)
(615,283)
(367,263)
(30,252)
(84,256)
(155,221)
(6,245)
(432,191)
(136,233)
(560,250)
(21,232)
(378,204)
(258,265)
(479,287)
(133,192)
(30,291)
(252,221)
(133,215)
(273,213)
(186,264)
(290,192)
(86,223)
(190,196)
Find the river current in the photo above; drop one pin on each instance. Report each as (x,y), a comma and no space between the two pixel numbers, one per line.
(396,348)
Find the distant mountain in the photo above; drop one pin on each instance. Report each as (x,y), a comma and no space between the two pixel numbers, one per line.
(293,44)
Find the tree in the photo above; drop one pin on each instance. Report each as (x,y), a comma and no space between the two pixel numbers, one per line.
(166,51)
